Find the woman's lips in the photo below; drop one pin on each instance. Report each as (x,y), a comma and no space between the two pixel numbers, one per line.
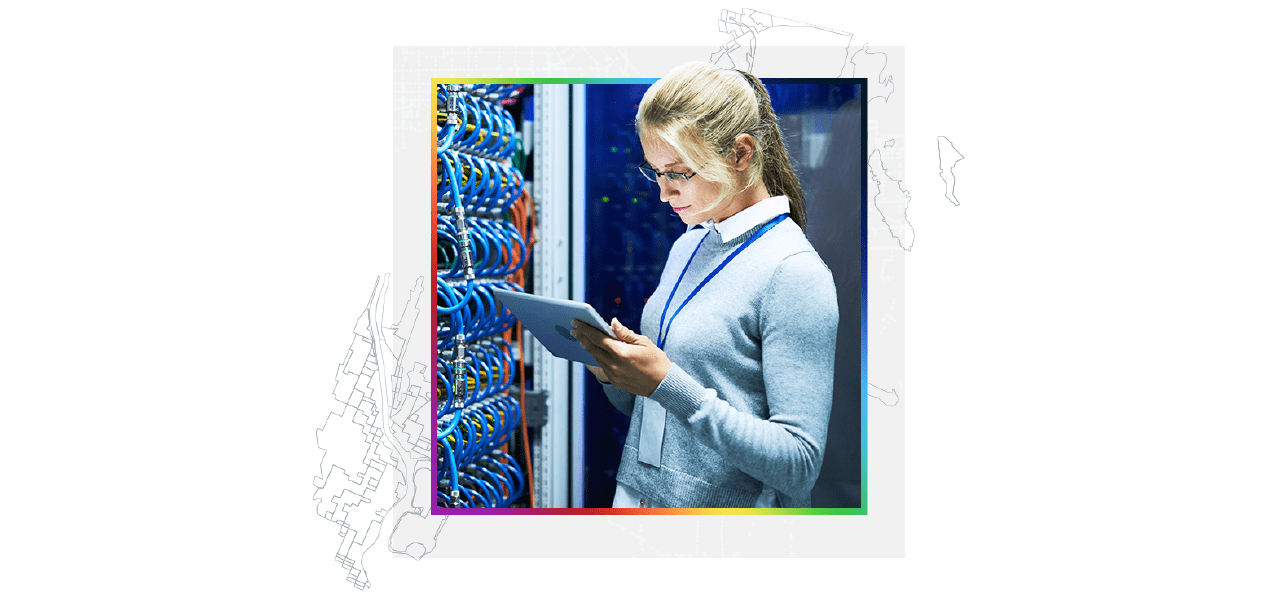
(678,208)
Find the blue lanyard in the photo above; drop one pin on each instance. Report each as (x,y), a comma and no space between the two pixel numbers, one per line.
(664,327)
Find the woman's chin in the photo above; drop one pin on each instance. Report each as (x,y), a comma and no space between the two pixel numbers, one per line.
(689,218)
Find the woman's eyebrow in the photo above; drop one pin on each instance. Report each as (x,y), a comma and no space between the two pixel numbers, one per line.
(666,166)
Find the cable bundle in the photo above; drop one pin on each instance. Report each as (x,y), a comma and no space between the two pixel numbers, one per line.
(484,185)
(490,477)
(480,247)
(483,128)
(494,247)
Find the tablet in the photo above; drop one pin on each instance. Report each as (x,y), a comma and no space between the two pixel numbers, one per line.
(551,321)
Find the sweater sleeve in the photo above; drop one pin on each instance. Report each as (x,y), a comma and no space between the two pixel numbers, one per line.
(621,399)
(798,323)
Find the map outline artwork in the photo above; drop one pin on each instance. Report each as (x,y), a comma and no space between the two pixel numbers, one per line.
(947,172)
(895,195)
(384,402)
(880,85)
(882,395)
(744,27)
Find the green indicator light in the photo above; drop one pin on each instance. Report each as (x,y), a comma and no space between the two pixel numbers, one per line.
(605,199)
(635,200)
(613,148)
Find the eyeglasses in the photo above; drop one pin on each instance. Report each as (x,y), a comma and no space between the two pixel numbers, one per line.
(672,176)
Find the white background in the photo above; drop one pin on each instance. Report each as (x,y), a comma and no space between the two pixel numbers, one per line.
(196,203)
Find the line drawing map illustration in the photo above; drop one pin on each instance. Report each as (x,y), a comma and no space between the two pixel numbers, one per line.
(888,398)
(948,156)
(864,63)
(890,199)
(378,426)
(745,28)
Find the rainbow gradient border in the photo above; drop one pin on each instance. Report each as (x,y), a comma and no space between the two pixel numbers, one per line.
(435,510)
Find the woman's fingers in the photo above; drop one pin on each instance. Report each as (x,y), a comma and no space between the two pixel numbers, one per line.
(632,362)
(625,337)
(591,339)
(586,334)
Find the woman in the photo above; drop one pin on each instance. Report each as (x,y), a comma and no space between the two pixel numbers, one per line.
(729,390)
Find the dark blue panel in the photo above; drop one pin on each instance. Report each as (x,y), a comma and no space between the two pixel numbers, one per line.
(627,235)
(791,98)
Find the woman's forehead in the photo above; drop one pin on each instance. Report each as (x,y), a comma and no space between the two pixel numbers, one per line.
(658,153)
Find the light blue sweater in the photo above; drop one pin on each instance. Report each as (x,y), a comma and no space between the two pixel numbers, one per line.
(749,395)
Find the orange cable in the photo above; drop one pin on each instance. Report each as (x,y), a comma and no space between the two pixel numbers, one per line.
(526,203)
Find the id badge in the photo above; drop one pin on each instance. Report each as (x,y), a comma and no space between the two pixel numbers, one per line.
(653,422)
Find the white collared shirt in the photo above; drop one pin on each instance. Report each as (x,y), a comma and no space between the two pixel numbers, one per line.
(749,217)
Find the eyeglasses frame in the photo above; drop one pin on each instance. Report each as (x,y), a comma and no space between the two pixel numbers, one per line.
(674,177)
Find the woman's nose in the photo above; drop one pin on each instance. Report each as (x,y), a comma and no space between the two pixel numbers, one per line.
(667,191)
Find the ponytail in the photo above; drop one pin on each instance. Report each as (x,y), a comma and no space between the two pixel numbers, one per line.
(777,173)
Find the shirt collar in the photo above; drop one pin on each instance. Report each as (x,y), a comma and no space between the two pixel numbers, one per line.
(749,217)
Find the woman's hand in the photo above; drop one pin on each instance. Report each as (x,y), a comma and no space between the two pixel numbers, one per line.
(599,373)
(631,362)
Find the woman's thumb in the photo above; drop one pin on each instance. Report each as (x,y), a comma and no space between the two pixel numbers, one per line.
(621,330)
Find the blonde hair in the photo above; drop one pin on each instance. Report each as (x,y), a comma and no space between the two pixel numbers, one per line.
(699,110)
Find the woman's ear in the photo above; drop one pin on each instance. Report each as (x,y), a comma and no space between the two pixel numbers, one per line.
(744,146)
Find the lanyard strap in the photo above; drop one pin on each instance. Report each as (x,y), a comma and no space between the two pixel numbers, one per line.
(664,326)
